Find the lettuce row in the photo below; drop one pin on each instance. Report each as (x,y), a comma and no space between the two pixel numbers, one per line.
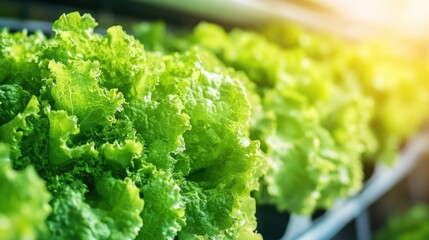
(379,70)
(313,143)
(320,107)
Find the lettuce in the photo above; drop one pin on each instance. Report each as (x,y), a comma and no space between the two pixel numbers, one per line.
(210,135)
(406,225)
(130,144)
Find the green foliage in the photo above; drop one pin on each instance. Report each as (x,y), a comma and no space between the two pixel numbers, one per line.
(320,107)
(175,141)
(76,90)
(13,100)
(410,225)
(24,201)
(112,213)
(132,145)
(307,135)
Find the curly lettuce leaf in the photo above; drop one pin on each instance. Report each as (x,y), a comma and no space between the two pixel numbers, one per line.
(121,58)
(74,38)
(164,212)
(13,100)
(121,200)
(122,154)
(111,212)
(74,22)
(61,128)
(13,131)
(161,122)
(76,89)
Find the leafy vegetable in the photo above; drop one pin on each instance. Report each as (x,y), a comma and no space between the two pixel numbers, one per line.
(13,100)
(409,225)
(202,157)
(173,138)
(131,144)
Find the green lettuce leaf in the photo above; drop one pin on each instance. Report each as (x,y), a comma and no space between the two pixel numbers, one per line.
(76,90)
(13,131)
(122,154)
(24,201)
(121,58)
(112,211)
(13,100)
(164,212)
(61,128)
